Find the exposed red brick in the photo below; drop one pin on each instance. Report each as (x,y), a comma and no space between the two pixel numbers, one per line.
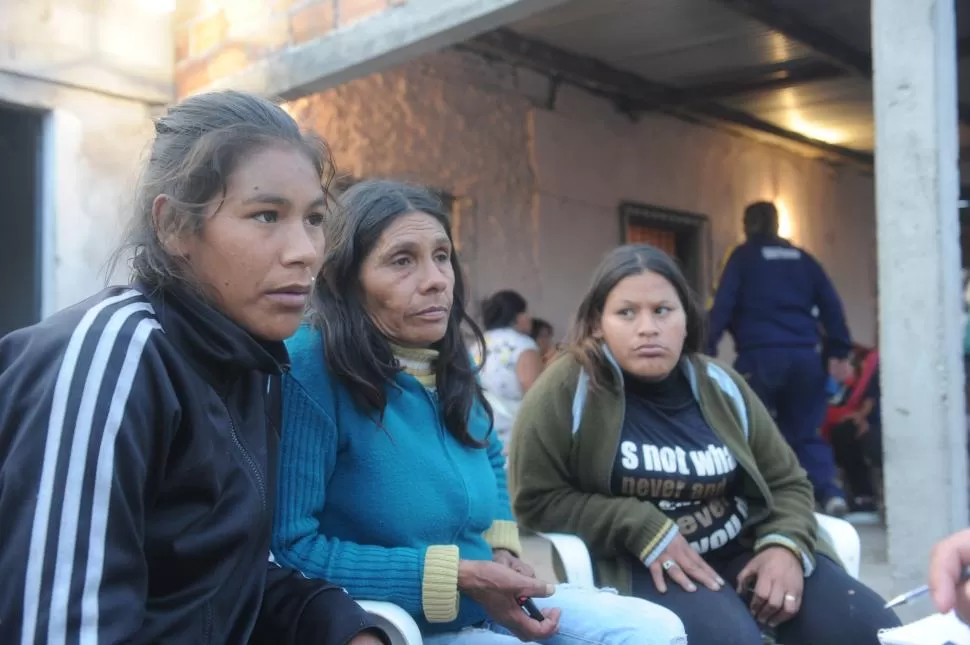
(350,11)
(190,77)
(312,21)
(245,17)
(227,61)
(181,43)
(207,33)
(272,35)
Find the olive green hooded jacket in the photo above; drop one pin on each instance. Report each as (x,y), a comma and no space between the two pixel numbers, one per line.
(564,445)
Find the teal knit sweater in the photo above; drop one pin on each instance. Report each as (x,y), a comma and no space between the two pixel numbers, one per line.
(386,511)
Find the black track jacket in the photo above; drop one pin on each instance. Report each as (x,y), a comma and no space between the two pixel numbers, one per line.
(137,469)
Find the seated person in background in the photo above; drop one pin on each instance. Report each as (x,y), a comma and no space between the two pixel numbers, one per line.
(542,334)
(512,361)
(854,428)
(391,483)
(671,470)
(135,451)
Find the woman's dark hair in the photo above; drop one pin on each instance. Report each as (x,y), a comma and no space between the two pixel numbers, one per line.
(356,351)
(623,262)
(538,326)
(502,308)
(198,144)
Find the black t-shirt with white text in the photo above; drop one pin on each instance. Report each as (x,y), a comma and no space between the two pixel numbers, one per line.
(670,456)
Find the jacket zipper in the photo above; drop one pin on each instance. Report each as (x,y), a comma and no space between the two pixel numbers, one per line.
(250,461)
(207,632)
(442,432)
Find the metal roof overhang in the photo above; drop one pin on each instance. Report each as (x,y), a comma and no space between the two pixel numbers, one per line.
(797,72)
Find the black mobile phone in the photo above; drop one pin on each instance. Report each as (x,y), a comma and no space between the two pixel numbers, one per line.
(530,608)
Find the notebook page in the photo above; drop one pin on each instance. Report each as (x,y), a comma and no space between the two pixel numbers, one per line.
(938,629)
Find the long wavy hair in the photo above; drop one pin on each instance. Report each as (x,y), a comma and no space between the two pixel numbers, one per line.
(355,349)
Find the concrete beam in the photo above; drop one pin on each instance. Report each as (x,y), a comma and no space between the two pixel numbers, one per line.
(387,39)
(920,318)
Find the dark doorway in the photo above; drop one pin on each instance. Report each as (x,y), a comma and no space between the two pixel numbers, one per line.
(20,220)
(682,235)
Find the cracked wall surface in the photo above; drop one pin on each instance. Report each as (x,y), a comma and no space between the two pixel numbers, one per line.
(421,123)
(538,190)
(97,72)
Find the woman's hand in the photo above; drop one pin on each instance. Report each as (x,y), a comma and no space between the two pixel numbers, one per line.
(947,562)
(682,564)
(367,638)
(496,587)
(509,559)
(779,581)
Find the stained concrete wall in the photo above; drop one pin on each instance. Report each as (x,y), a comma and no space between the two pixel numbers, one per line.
(119,47)
(538,190)
(93,145)
(426,123)
(587,159)
(96,71)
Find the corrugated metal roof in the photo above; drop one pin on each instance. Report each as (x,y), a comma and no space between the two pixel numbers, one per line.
(668,41)
(837,111)
(686,43)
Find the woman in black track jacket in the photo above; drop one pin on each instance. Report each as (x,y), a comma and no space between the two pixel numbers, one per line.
(137,455)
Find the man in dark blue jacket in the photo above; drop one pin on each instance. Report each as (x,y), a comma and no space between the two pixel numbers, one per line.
(767,299)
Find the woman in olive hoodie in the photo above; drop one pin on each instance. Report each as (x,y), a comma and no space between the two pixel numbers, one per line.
(671,470)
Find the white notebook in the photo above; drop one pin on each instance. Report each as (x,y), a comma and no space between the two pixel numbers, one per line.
(938,629)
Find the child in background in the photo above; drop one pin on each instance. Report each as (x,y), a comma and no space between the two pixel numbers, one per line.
(854,428)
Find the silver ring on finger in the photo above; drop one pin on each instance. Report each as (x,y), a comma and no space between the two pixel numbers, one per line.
(790,598)
(667,565)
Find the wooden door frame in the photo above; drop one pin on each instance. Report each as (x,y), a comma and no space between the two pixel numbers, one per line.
(697,226)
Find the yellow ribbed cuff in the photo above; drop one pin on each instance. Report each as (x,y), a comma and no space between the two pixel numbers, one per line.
(503,534)
(439,585)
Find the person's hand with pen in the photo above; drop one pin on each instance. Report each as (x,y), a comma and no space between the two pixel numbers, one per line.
(948,583)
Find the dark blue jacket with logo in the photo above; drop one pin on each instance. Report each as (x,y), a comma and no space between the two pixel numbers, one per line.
(767,297)
(137,472)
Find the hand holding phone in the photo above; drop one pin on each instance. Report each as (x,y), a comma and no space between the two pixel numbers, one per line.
(529,606)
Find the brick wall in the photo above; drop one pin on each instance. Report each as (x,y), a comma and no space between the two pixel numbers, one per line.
(217,38)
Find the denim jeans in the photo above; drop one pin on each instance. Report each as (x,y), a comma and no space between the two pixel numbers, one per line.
(589,617)
(836,609)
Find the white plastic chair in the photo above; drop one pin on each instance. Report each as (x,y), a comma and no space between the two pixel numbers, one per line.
(395,621)
(843,537)
(578,568)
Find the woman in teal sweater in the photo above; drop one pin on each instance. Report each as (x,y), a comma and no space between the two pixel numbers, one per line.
(391,482)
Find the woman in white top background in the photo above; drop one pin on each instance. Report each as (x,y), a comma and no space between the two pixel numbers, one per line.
(512,360)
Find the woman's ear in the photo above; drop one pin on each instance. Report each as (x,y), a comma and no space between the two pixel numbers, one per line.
(163,219)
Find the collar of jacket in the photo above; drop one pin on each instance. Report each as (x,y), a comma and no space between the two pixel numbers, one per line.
(766,239)
(218,347)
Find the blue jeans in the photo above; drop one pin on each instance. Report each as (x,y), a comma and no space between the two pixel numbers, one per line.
(836,609)
(589,617)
